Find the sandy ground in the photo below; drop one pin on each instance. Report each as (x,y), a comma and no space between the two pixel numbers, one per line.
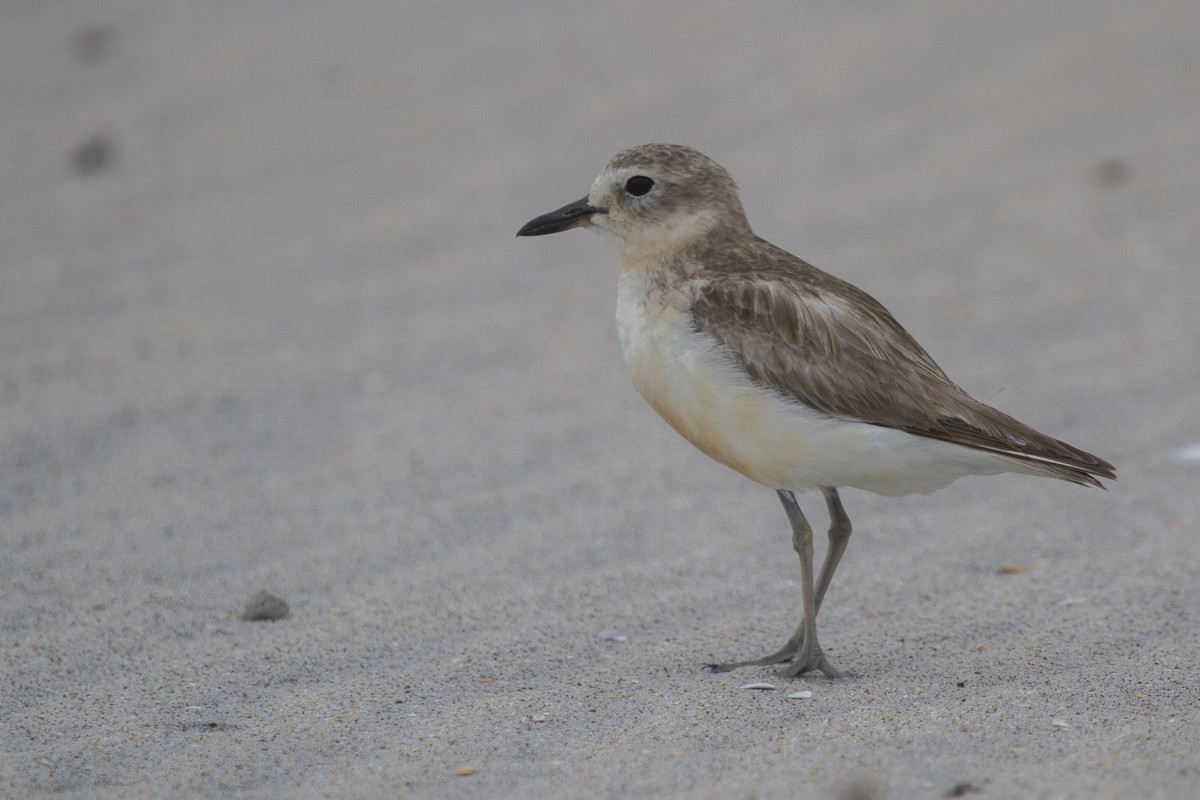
(264,325)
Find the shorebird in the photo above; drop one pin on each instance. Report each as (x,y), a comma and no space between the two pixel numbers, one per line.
(787,374)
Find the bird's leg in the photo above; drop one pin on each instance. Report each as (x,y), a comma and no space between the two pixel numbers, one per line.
(839,536)
(809,656)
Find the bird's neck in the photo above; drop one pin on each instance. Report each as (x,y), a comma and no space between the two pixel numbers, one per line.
(670,249)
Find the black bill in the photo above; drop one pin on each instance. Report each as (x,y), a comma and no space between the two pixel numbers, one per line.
(571,215)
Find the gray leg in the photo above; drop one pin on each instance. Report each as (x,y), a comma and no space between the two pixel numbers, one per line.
(809,656)
(839,536)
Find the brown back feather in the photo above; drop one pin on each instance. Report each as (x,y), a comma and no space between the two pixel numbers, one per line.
(833,347)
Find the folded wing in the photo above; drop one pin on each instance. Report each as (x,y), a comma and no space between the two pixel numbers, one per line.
(831,346)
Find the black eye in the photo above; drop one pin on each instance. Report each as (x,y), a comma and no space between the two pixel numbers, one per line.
(638,185)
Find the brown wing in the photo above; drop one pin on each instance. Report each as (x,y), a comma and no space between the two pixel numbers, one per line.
(834,348)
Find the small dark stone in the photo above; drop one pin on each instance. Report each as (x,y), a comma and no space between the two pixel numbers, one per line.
(93,155)
(962,789)
(1112,172)
(93,44)
(264,606)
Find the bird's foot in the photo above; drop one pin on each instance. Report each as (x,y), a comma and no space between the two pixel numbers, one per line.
(803,659)
(803,662)
(785,653)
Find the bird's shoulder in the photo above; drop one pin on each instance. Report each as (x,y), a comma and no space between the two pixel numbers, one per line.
(755,293)
(816,338)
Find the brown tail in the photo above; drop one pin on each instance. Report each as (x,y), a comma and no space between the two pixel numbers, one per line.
(996,432)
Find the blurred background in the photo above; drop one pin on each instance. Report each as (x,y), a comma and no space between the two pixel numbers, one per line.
(264,324)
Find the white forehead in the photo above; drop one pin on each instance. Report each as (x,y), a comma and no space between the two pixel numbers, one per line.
(611,177)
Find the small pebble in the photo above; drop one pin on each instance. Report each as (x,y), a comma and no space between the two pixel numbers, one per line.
(1112,172)
(264,606)
(93,44)
(463,772)
(962,789)
(757,686)
(804,695)
(92,155)
(1014,569)
(613,635)
(1059,722)
(539,718)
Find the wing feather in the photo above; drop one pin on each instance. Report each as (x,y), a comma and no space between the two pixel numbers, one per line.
(831,346)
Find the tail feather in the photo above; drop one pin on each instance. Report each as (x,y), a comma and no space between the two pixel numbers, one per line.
(1075,471)
(995,432)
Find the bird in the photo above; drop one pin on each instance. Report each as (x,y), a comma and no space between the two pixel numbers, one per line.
(787,374)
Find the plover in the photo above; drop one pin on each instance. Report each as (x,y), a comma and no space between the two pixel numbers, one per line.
(794,378)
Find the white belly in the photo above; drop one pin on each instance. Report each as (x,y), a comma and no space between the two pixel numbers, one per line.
(693,383)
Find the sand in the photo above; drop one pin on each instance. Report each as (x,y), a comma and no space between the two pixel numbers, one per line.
(265,326)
